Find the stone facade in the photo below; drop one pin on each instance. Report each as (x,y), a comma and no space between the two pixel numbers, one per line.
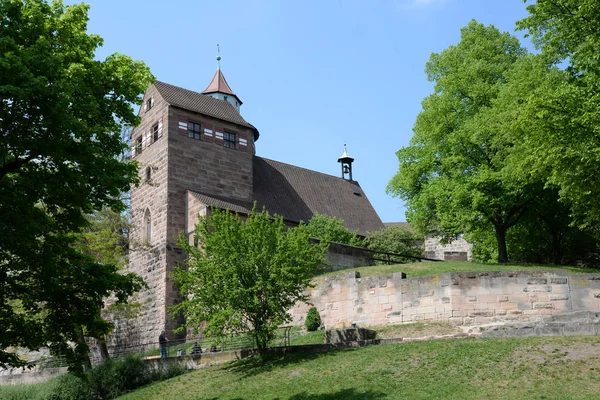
(457,250)
(459,298)
(176,163)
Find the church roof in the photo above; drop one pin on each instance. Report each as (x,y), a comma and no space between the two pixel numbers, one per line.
(297,194)
(197,102)
(219,84)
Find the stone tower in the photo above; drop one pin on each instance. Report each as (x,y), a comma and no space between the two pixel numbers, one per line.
(186,141)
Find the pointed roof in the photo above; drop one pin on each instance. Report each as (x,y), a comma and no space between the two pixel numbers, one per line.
(219,85)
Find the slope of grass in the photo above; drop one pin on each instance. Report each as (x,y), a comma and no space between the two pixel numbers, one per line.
(424,268)
(524,368)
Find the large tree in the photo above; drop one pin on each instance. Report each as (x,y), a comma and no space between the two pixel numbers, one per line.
(61,113)
(563,118)
(456,175)
(246,275)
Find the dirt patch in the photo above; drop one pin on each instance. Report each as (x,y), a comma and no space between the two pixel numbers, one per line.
(557,352)
(297,372)
(416,330)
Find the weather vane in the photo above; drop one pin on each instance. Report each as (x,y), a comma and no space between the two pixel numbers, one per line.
(218,57)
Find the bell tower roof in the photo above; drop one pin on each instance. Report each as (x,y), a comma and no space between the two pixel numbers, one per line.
(218,85)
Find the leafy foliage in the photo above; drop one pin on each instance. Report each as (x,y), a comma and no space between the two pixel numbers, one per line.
(61,111)
(332,229)
(563,118)
(455,175)
(246,275)
(313,319)
(395,239)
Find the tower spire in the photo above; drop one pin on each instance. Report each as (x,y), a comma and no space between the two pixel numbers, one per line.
(218,58)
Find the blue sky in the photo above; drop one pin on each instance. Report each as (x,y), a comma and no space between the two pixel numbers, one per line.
(313,75)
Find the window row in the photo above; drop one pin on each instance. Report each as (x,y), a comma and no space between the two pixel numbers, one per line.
(147,138)
(194,131)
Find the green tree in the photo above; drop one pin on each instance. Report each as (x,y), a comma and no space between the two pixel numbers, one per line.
(246,274)
(563,118)
(61,111)
(456,175)
(396,239)
(331,229)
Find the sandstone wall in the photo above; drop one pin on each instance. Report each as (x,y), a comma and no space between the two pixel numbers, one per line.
(457,250)
(459,298)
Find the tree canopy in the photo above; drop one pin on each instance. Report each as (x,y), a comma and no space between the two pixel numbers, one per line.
(563,118)
(61,113)
(246,274)
(331,229)
(455,175)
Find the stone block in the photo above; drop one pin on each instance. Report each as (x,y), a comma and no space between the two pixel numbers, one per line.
(537,289)
(445,300)
(471,298)
(530,312)
(537,281)
(418,317)
(383,299)
(481,314)
(459,313)
(578,329)
(538,306)
(500,312)
(502,299)
(558,281)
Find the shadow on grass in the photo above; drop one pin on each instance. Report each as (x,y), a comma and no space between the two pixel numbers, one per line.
(267,362)
(346,394)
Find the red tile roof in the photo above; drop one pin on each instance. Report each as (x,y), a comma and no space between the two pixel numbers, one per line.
(219,84)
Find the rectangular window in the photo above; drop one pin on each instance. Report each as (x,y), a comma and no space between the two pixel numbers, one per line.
(193,130)
(229,140)
(155,132)
(149,104)
(137,147)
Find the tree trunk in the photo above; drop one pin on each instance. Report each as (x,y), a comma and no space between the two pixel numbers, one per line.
(501,239)
(556,249)
(103,349)
(87,363)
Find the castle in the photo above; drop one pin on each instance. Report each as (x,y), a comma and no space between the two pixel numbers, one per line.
(195,152)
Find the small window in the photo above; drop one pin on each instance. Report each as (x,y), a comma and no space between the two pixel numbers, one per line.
(229,140)
(194,130)
(137,147)
(149,104)
(148,221)
(225,98)
(148,174)
(154,132)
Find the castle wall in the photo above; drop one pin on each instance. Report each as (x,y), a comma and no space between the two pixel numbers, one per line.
(147,259)
(457,250)
(459,298)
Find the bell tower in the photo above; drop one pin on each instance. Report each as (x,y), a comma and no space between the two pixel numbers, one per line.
(346,162)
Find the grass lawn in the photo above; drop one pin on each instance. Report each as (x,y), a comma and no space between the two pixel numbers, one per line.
(523,368)
(425,268)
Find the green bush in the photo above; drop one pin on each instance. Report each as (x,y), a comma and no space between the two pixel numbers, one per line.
(106,381)
(313,320)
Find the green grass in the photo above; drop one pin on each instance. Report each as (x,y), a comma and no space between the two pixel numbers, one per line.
(425,268)
(524,368)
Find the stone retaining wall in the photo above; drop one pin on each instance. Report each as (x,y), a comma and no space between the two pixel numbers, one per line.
(459,298)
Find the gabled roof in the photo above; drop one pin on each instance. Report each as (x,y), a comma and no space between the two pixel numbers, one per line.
(197,102)
(219,84)
(297,194)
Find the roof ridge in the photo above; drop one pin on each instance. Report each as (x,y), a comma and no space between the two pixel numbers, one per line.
(311,170)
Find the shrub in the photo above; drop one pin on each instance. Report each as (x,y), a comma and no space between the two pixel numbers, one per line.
(313,320)
(396,239)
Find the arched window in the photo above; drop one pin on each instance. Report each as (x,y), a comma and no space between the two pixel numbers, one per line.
(148,222)
(148,174)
